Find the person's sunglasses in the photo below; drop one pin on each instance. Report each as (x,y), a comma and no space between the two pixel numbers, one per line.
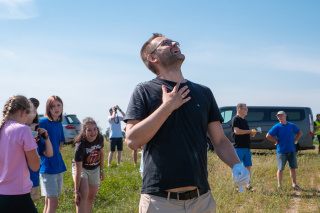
(165,43)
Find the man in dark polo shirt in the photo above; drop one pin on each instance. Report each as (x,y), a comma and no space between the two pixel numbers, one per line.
(170,116)
(241,137)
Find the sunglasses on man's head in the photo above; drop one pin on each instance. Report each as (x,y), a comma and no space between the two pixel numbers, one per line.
(165,43)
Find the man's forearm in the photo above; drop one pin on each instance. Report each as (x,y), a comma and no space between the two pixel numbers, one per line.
(113,116)
(271,138)
(298,136)
(222,145)
(238,131)
(226,153)
(122,113)
(139,134)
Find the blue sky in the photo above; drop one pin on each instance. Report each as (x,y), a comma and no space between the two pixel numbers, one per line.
(87,52)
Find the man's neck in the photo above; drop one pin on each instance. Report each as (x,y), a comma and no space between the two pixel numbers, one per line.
(241,116)
(172,75)
(283,122)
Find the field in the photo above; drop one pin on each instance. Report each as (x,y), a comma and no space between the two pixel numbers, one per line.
(120,190)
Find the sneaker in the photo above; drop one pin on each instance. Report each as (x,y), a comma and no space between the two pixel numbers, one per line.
(249,188)
(296,188)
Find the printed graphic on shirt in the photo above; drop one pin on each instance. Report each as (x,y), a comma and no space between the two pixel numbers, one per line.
(94,157)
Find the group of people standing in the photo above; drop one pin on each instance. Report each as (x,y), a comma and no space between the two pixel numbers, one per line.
(282,134)
(23,139)
(169,116)
(32,150)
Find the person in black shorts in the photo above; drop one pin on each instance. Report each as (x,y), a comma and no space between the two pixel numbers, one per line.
(115,133)
(170,116)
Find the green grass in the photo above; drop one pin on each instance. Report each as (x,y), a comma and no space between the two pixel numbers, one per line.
(120,191)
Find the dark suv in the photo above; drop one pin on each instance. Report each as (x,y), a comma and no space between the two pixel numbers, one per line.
(265,117)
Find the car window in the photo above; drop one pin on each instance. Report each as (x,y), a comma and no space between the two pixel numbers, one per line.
(226,115)
(255,115)
(40,116)
(292,114)
(72,119)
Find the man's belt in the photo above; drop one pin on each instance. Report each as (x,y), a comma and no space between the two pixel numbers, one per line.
(181,195)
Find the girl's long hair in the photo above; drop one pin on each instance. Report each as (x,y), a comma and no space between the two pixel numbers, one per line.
(82,136)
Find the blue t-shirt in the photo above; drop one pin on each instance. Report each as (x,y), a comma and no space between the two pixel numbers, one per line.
(54,164)
(34,176)
(285,134)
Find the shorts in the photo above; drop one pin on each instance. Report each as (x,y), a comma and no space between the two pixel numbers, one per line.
(282,159)
(116,142)
(17,204)
(51,184)
(153,203)
(244,155)
(35,195)
(93,176)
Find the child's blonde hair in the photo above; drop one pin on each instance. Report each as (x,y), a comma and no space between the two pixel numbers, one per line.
(13,105)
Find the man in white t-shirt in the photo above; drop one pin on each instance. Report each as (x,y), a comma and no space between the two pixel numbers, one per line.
(115,133)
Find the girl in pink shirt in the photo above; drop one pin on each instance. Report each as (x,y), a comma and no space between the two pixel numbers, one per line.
(19,150)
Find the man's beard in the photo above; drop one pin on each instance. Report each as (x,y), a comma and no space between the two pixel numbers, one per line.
(172,60)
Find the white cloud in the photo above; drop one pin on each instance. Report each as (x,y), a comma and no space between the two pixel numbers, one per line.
(18,9)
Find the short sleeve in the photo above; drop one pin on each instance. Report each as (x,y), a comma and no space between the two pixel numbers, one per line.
(78,156)
(137,108)
(101,141)
(28,141)
(235,122)
(42,123)
(214,112)
(273,131)
(296,130)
